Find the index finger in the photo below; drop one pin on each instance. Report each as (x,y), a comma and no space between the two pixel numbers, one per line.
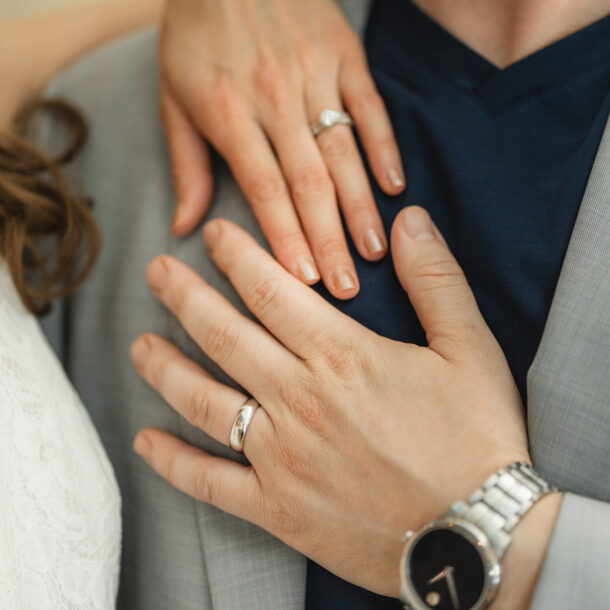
(299,317)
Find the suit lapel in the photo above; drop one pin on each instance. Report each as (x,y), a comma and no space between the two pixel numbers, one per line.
(248,568)
(569,381)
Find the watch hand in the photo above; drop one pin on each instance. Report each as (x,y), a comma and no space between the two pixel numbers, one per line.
(447,574)
(452,588)
(442,574)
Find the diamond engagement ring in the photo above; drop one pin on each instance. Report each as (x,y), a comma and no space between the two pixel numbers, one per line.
(328,118)
(240,425)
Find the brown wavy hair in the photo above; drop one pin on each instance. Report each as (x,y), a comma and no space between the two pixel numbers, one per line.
(48,236)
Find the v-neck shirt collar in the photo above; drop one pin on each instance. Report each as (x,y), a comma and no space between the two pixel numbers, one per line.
(498,89)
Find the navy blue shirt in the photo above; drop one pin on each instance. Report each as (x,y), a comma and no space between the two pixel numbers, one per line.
(500,159)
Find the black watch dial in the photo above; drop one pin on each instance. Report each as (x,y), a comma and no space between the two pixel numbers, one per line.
(446,570)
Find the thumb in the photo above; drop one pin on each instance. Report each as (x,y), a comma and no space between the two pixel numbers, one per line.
(191,168)
(435,283)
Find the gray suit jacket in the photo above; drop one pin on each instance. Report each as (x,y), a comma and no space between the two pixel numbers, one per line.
(182,555)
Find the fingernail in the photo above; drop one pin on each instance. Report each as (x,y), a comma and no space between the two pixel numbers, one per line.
(211,232)
(343,279)
(396,178)
(418,225)
(374,243)
(157,275)
(142,446)
(139,352)
(306,270)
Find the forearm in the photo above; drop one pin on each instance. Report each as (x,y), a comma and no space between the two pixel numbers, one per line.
(525,556)
(32,50)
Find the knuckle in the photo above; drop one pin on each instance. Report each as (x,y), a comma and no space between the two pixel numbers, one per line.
(278,98)
(270,77)
(336,144)
(199,408)
(286,516)
(223,98)
(294,460)
(316,58)
(341,360)
(289,240)
(264,294)
(311,183)
(206,486)
(363,212)
(313,414)
(442,272)
(269,66)
(220,341)
(264,189)
(331,246)
(343,36)
(343,364)
(306,406)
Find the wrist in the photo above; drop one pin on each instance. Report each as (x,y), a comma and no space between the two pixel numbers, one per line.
(524,557)
(460,560)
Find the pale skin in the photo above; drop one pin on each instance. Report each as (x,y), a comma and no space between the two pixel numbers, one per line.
(451,414)
(34,49)
(505,31)
(405,429)
(248,77)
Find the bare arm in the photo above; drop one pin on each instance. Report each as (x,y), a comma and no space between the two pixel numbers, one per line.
(32,50)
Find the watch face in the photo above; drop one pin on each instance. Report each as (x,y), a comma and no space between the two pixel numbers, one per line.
(447,568)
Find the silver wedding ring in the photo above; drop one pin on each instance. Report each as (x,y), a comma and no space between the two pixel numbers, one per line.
(241,424)
(328,118)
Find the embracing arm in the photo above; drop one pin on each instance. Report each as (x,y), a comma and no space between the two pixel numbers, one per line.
(32,50)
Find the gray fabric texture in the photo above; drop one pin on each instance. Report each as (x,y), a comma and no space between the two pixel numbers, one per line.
(177,554)
(182,555)
(569,406)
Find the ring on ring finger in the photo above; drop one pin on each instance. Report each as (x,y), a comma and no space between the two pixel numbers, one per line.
(329,118)
(244,416)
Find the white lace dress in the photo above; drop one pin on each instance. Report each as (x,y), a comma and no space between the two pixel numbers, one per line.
(60,527)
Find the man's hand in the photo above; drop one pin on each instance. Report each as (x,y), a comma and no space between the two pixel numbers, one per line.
(359,438)
(249,77)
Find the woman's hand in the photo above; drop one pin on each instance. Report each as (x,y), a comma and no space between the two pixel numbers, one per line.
(249,77)
(359,438)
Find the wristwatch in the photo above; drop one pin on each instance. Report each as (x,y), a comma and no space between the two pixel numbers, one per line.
(454,563)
